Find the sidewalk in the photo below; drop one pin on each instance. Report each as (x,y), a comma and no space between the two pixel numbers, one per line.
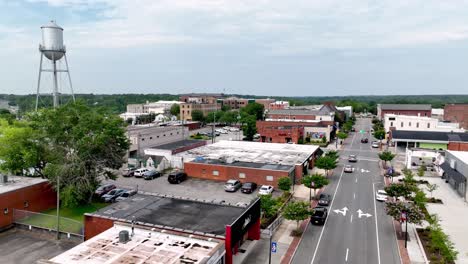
(453,215)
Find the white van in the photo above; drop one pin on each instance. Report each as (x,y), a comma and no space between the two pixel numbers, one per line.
(139,173)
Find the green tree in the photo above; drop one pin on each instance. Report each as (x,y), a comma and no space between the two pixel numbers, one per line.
(296,211)
(379,134)
(386,156)
(326,163)
(197,115)
(440,242)
(74,142)
(332,154)
(342,135)
(284,184)
(432,187)
(175,109)
(409,177)
(254,109)
(420,199)
(414,214)
(249,127)
(399,190)
(229,117)
(421,170)
(315,181)
(268,205)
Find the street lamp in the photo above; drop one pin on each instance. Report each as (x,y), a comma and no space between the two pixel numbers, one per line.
(404,217)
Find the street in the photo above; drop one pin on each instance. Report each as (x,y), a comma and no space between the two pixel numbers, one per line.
(357,229)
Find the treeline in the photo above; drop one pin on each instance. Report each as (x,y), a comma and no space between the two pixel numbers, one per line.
(117,103)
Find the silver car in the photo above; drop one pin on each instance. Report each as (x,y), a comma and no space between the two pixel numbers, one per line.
(232,185)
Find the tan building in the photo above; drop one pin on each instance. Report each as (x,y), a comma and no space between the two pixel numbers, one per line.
(186,109)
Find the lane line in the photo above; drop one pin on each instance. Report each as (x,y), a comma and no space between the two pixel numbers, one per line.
(326,220)
(376,225)
(351,218)
(354,195)
(356,179)
(347,251)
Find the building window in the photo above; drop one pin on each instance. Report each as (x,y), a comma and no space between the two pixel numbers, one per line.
(417,124)
(216,173)
(409,124)
(171,134)
(164,135)
(428,125)
(391,124)
(401,124)
(151,137)
(157,136)
(5,211)
(269,178)
(26,204)
(241,175)
(425,114)
(203,171)
(142,139)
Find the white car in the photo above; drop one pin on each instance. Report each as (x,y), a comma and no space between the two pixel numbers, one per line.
(265,190)
(375,144)
(348,169)
(234,129)
(139,173)
(381,196)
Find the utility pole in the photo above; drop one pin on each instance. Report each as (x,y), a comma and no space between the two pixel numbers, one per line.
(213,138)
(269,255)
(58,207)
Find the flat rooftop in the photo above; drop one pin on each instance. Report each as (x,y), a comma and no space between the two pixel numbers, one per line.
(461,155)
(255,165)
(402,135)
(252,152)
(146,246)
(178,144)
(210,218)
(149,129)
(420,107)
(18,182)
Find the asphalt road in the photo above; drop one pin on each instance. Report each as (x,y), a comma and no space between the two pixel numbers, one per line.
(357,229)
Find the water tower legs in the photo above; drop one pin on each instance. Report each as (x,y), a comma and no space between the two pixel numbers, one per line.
(39,81)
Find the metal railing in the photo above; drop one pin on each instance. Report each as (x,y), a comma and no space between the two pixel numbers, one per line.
(47,222)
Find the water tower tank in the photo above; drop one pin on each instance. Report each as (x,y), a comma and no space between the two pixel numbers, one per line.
(52,41)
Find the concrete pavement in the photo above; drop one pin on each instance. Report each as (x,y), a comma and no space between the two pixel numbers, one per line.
(357,229)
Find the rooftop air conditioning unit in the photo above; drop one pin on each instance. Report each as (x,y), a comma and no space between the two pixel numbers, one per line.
(124,236)
(453,164)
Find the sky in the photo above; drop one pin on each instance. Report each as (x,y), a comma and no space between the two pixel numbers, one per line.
(256,47)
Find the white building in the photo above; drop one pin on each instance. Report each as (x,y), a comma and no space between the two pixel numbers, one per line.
(438,113)
(418,123)
(348,110)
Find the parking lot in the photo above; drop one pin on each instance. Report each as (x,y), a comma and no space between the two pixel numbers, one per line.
(191,188)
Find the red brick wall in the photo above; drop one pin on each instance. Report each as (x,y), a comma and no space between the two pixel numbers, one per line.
(407,112)
(40,197)
(185,148)
(458,146)
(457,113)
(271,129)
(94,225)
(194,169)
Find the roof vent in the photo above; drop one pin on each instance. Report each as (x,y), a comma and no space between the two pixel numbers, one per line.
(124,236)
(3,179)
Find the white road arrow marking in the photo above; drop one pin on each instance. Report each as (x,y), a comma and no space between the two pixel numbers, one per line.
(363,170)
(360,213)
(342,211)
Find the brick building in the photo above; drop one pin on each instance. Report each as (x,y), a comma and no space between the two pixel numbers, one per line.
(278,105)
(457,113)
(180,216)
(262,163)
(404,109)
(24,193)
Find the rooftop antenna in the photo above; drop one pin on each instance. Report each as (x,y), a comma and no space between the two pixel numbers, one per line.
(53,49)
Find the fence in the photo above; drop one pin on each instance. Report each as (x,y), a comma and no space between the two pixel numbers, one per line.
(48,222)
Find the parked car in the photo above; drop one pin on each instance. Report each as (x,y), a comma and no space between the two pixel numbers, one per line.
(248,187)
(324,199)
(364,140)
(103,189)
(176,177)
(139,173)
(125,195)
(256,136)
(353,129)
(375,144)
(381,195)
(234,129)
(319,215)
(232,185)
(266,189)
(112,195)
(348,168)
(352,158)
(152,174)
(128,172)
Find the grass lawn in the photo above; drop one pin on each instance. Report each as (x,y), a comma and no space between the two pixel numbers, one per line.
(48,218)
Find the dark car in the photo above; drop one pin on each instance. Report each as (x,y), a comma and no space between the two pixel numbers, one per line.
(177,177)
(319,215)
(152,174)
(112,195)
(104,189)
(248,187)
(364,140)
(324,199)
(125,195)
(353,129)
(130,172)
(352,158)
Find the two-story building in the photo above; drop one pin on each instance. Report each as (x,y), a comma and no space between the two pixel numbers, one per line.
(404,109)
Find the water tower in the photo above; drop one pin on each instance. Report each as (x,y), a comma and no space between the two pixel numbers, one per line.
(53,49)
